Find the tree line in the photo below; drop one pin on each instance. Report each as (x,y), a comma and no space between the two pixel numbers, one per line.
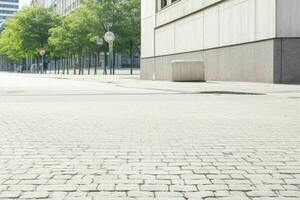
(74,34)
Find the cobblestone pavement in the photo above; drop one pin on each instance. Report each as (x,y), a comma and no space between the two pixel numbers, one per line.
(117,138)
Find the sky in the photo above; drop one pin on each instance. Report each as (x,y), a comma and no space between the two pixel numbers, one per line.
(24,3)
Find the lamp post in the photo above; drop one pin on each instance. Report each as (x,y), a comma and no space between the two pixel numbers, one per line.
(42,53)
(108,26)
(109,37)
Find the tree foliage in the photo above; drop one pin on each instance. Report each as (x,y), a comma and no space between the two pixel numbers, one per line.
(10,43)
(27,31)
(73,34)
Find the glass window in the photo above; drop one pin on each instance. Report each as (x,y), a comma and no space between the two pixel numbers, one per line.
(7,12)
(164,3)
(8,6)
(11,1)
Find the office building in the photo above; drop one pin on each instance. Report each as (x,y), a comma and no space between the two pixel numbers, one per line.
(238,40)
(62,7)
(7,9)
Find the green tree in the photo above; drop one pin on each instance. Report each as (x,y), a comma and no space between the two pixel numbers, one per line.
(33,25)
(10,42)
(27,31)
(125,18)
(128,27)
(73,36)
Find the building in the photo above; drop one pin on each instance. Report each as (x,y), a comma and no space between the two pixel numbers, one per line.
(62,7)
(239,40)
(7,9)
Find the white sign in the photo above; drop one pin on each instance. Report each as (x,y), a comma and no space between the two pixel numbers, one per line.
(42,51)
(109,37)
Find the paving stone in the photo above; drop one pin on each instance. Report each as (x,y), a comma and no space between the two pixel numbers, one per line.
(58,188)
(262,193)
(22,187)
(290,193)
(10,194)
(25,176)
(87,188)
(183,188)
(168,194)
(201,194)
(127,187)
(35,195)
(154,188)
(140,194)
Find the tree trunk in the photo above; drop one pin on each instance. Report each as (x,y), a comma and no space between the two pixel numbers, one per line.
(105,61)
(83,65)
(80,64)
(114,61)
(58,66)
(95,63)
(37,64)
(68,59)
(63,65)
(75,64)
(131,59)
(55,65)
(89,66)
(98,60)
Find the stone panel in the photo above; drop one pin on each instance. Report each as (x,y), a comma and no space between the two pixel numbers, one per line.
(291,60)
(251,62)
(181,9)
(265,23)
(288,15)
(226,23)
(148,15)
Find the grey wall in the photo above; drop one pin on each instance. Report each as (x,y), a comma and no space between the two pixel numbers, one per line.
(287,19)
(251,62)
(287,60)
(233,30)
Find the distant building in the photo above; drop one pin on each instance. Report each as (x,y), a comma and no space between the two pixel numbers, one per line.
(7,9)
(239,40)
(62,7)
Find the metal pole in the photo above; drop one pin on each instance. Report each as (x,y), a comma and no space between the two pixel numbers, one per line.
(111,47)
(42,70)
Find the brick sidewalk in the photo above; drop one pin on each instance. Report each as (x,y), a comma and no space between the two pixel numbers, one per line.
(105,139)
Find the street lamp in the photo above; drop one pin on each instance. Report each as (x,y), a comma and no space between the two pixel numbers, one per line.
(42,52)
(108,26)
(109,37)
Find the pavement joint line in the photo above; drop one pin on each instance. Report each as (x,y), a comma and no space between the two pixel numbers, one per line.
(141,94)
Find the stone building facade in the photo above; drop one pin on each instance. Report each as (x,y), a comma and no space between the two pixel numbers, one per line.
(239,40)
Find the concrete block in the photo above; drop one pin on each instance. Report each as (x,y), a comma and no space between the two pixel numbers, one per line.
(187,70)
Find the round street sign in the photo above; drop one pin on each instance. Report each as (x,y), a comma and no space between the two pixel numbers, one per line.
(41,51)
(109,37)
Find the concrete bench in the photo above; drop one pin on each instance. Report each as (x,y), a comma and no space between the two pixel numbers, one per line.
(187,70)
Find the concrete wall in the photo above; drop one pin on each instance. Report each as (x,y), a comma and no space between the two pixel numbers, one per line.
(287,60)
(181,9)
(225,23)
(147,27)
(235,38)
(288,15)
(251,62)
